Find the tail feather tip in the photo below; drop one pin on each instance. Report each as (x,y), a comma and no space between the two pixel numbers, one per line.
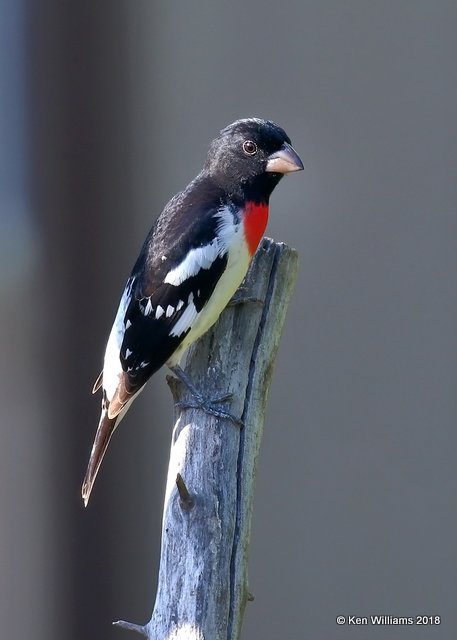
(85,493)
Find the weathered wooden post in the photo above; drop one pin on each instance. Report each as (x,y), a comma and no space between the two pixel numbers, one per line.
(203,584)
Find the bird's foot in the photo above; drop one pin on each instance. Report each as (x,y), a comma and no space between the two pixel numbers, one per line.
(200,402)
(208,407)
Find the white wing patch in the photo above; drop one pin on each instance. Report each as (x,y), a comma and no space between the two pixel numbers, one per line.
(186,320)
(203,257)
(148,308)
(159,312)
(227,228)
(196,259)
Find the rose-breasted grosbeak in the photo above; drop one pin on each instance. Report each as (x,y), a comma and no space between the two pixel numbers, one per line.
(192,262)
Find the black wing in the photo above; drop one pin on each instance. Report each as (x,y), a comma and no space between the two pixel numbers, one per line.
(159,314)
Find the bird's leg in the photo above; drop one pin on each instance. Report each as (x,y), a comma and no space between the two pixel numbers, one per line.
(203,403)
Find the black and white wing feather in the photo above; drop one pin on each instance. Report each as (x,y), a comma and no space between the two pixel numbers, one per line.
(155,325)
(164,296)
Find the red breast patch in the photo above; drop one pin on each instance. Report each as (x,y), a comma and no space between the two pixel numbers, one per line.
(255,223)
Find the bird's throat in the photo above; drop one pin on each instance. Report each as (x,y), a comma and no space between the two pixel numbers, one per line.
(255,222)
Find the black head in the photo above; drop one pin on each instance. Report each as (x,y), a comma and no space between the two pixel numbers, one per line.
(250,156)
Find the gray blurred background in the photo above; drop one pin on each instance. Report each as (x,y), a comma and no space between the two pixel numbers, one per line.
(106,111)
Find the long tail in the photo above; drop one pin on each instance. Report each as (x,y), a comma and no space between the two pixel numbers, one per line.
(102,437)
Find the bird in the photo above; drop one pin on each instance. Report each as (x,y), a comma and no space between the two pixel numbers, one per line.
(192,262)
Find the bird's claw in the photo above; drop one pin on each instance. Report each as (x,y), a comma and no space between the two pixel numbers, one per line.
(199,402)
(207,407)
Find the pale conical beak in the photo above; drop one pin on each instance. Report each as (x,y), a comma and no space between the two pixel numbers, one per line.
(285,160)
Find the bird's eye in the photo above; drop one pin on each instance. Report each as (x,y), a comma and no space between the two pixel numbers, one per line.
(249,148)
